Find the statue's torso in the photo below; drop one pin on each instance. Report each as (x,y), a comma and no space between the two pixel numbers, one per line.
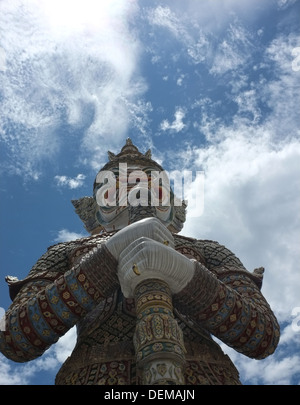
(104,353)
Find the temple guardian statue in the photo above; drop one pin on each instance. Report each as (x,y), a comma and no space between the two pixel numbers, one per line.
(146,300)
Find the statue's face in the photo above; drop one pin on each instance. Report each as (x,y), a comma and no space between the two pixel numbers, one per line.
(134,185)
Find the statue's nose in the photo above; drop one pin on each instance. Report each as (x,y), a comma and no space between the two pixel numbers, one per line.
(139,195)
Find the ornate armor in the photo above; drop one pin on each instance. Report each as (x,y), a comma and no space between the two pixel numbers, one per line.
(59,292)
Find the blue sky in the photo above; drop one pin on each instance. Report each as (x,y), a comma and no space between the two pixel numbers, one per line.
(208,85)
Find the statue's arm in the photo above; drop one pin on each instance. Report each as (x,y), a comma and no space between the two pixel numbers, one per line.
(224,298)
(44,309)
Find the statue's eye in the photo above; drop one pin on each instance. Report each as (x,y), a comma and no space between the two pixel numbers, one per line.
(159,193)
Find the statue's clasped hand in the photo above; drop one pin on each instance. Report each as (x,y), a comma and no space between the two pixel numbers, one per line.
(149,227)
(145,250)
(146,258)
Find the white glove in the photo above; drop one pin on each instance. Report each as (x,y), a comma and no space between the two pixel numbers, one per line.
(147,259)
(149,227)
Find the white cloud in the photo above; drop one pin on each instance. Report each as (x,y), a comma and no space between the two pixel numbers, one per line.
(289,336)
(233,51)
(252,194)
(252,180)
(177,125)
(2,318)
(283,92)
(180,80)
(199,49)
(282,4)
(214,15)
(210,32)
(63,348)
(296,60)
(72,183)
(164,17)
(8,376)
(2,60)
(65,63)
(247,106)
(66,236)
(252,177)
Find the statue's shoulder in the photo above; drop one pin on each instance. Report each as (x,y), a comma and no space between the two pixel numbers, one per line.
(214,253)
(57,259)
(204,244)
(200,243)
(74,250)
(84,241)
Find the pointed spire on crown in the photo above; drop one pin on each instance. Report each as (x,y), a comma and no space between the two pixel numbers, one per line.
(129,149)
